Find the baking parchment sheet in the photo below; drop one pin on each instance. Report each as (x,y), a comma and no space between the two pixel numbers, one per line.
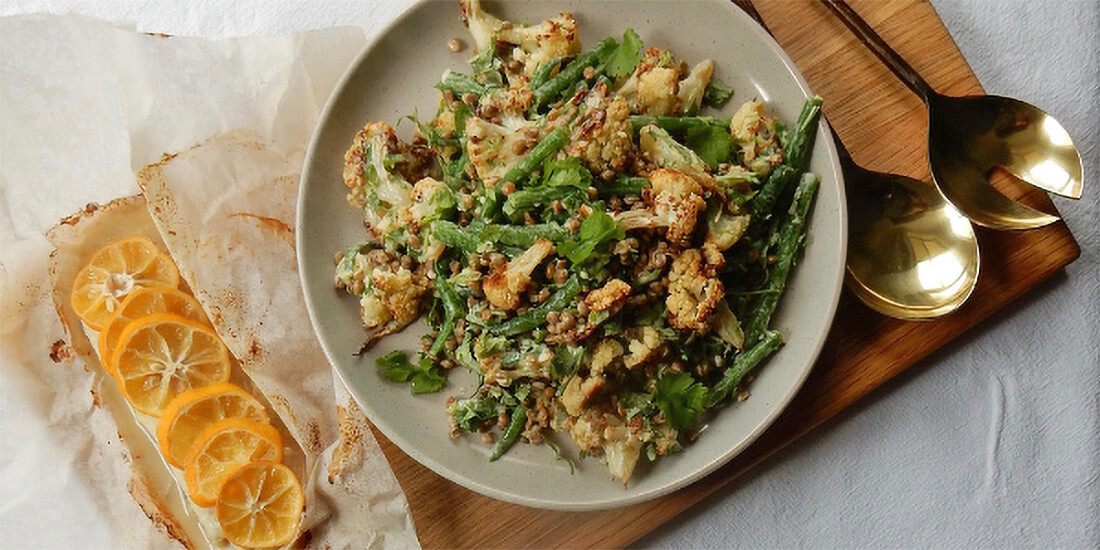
(85,105)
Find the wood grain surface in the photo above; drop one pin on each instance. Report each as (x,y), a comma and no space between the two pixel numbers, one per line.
(884,126)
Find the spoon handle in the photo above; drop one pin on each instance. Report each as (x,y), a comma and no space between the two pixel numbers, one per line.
(872,40)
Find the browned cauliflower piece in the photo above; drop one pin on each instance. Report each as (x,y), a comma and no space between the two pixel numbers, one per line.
(602,136)
(692,296)
(754,132)
(390,295)
(495,148)
(677,201)
(656,87)
(644,345)
(535,44)
(504,286)
(613,293)
(692,87)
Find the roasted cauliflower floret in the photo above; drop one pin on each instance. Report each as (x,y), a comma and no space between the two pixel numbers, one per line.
(495,148)
(431,200)
(390,295)
(481,25)
(677,201)
(666,152)
(644,345)
(607,435)
(542,43)
(534,44)
(581,389)
(612,294)
(659,87)
(381,193)
(653,87)
(690,95)
(692,296)
(504,286)
(727,326)
(754,131)
(725,226)
(602,137)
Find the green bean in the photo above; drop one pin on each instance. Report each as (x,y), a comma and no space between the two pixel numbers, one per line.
(792,234)
(491,204)
(677,124)
(805,129)
(453,309)
(461,84)
(537,316)
(623,186)
(508,438)
(556,139)
(567,78)
(526,199)
(543,73)
(742,364)
(454,236)
(778,181)
(524,236)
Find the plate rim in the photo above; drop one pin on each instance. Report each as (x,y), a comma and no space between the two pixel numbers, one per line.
(618,501)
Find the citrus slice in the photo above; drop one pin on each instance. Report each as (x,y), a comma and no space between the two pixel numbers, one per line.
(192,411)
(140,303)
(260,506)
(163,355)
(221,448)
(116,270)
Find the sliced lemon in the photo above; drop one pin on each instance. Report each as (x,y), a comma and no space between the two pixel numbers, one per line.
(192,411)
(260,506)
(141,303)
(163,355)
(115,271)
(221,448)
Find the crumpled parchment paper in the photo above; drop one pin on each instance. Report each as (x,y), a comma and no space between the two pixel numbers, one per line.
(86,105)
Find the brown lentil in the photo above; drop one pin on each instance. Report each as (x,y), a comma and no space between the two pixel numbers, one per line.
(455,45)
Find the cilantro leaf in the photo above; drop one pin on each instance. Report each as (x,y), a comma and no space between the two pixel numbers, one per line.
(424,377)
(597,228)
(717,93)
(624,58)
(712,143)
(680,398)
(568,172)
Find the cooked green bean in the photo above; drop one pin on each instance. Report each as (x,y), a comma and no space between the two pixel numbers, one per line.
(508,438)
(453,309)
(553,88)
(556,139)
(461,84)
(742,364)
(792,234)
(537,316)
(546,70)
(677,124)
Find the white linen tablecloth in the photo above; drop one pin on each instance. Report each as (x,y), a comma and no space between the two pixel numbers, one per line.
(993,441)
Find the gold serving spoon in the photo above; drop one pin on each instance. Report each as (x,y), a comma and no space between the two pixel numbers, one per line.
(911,255)
(971,137)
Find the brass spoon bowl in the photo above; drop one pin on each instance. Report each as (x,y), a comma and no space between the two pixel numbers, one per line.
(911,254)
(971,137)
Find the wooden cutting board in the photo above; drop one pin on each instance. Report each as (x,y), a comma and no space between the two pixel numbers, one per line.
(884,126)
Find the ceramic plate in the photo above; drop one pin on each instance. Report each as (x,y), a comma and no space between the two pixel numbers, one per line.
(393,77)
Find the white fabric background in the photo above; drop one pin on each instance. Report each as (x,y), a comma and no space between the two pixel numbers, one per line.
(992,442)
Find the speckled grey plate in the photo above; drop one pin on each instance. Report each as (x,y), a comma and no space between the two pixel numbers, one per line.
(392,78)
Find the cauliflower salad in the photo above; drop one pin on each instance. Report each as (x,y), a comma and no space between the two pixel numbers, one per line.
(576,232)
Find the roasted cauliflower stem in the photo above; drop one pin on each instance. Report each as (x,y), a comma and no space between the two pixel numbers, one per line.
(568,224)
